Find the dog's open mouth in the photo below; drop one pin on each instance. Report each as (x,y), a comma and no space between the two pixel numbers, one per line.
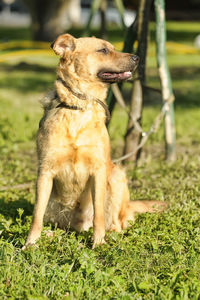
(114,77)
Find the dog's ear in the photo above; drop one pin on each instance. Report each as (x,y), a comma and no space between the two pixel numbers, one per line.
(63,44)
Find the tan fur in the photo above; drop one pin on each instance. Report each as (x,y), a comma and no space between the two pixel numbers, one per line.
(78,186)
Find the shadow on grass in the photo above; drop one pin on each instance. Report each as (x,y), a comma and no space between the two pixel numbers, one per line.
(17,33)
(179,32)
(24,66)
(189,73)
(12,229)
(177,36)
(114,33)
(180,36)
(9,208)
(185,82)
(28,77)
(14,223)
(186,86)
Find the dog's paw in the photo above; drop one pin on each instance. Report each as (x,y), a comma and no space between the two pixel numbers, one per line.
(98,241)
(28,245)
(49,233)
(31,241)
(116,227)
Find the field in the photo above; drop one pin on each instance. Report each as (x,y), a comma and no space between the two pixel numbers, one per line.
(158,257)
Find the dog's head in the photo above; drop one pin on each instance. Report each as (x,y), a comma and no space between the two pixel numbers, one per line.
(94,59)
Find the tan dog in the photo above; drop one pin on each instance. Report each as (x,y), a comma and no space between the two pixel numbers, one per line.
(78,186)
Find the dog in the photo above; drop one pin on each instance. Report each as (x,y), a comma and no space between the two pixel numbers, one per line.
(78,186)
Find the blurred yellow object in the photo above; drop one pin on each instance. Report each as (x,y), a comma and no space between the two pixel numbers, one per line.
(118,45)
(19,53)
(24,45)
(172,47)
(177,48)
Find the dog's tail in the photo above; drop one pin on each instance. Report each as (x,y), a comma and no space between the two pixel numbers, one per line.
(134,207)
(150,206)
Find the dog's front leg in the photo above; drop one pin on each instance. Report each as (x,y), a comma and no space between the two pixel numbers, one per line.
(43,192)
(98,195)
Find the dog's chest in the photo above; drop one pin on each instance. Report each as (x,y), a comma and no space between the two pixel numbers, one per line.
(70,181)
(77,123)
(78,138)
(76,148)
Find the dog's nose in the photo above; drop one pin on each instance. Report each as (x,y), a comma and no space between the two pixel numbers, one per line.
(135,58)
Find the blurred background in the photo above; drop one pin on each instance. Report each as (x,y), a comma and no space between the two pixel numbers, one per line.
(157,257)
(28,67)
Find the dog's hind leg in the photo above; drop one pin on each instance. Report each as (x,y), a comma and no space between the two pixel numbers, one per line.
(83,214)
(43,191)
(124,210)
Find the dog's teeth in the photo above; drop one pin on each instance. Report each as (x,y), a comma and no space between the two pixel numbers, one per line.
(128,73)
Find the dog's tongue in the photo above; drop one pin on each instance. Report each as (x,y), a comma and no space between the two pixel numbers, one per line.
(120,76)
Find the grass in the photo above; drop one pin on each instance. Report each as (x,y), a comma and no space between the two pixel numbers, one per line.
(176,31)
(158,257)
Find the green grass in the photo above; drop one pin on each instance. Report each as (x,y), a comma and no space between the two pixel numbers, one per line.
(182,32)
(176,31)
(158,257)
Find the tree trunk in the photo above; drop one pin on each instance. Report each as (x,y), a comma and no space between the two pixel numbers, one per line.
(133,136)
(49,18)
(103,8)
(120,7)
(165,78)
(131,37)
(95,5)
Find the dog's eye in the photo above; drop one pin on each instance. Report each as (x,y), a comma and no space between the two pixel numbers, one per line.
(104,50)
